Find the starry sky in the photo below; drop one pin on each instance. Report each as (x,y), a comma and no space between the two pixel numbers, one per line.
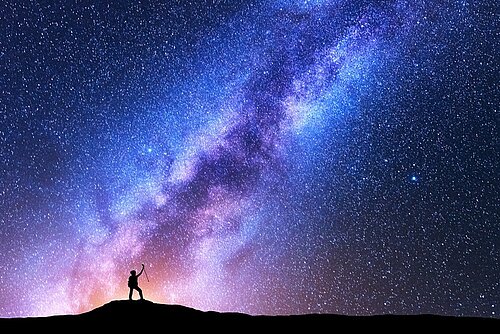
(265,157)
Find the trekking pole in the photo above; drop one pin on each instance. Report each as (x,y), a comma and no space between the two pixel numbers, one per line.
(146,273)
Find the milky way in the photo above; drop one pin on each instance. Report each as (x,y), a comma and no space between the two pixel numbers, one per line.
(266,157)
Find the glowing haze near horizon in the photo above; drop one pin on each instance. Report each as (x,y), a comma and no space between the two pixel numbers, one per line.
(266,157)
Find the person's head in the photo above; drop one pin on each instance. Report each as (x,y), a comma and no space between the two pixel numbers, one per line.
(132,272)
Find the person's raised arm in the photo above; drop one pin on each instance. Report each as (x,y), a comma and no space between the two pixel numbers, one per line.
(140,272)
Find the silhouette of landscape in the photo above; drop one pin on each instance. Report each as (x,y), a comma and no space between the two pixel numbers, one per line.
(138,315)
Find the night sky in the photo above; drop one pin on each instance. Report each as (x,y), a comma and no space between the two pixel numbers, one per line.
(265,157)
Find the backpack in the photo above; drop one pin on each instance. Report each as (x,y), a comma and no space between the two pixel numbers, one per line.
(132,281)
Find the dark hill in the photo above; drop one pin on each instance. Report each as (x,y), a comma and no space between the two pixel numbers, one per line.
(140,315)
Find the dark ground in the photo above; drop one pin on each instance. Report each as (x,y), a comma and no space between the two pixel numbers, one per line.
(136,316)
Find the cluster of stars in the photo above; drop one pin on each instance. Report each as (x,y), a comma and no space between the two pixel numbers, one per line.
(266,157)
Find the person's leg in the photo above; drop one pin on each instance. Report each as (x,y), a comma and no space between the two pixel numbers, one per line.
(130,294)
(140,292)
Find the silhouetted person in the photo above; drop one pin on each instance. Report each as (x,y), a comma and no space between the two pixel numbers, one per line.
(133,284)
